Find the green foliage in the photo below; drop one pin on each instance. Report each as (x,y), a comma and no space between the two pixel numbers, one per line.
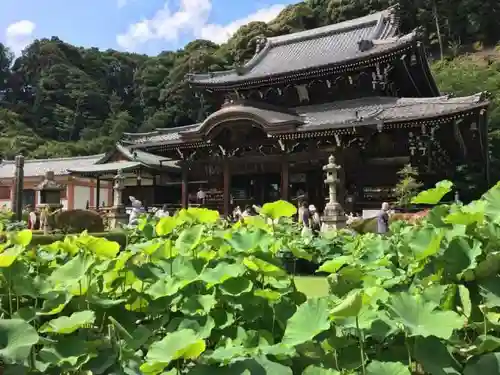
(76,221)
(46,239)
(408,185)
(198,296)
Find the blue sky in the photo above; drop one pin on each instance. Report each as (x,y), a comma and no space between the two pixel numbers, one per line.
(145,26)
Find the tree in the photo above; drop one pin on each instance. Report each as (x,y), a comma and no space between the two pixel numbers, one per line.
(408,186)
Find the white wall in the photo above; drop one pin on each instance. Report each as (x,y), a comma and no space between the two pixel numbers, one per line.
(103,197)
(82,195)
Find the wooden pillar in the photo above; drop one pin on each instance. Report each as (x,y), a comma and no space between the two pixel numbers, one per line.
(17,191)
(285,180)
(184,186)
(98,193)
(227,187)
(153,193)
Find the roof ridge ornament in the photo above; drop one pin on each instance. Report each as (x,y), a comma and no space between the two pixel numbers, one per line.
(260,43)
(365,45)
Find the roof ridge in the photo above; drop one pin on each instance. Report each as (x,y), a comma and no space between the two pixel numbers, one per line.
(383,31)
(69,158)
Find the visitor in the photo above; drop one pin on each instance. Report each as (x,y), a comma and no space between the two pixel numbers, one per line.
(201,195)
(136,211)
(162,212)
(248,212)
(32,218)
(315,220)
(305,218)
(383,219)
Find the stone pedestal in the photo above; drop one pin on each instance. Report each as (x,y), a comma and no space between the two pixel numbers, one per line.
(333,215)
(117,219)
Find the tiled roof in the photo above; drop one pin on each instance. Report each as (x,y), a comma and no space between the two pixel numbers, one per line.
(325,46)
(385,109)
(38,167)
(339,114)
(107,167)
(167,135)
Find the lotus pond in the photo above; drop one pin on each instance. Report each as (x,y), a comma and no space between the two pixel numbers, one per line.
(194,295)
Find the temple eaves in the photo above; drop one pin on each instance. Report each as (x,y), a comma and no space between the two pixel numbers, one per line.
(336,117)
(345,45)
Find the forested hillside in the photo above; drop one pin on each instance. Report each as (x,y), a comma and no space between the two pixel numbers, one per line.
(57,99)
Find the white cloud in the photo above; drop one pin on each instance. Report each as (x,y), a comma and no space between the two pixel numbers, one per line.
(18,35)
(191,18)
(221,33)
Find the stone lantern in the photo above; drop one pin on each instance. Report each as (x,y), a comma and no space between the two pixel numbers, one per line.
(50,200)
(117,215)
(333,214)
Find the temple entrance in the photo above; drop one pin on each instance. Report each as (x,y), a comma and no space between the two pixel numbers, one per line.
(255,189)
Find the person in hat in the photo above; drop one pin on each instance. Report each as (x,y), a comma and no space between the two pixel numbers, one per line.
(315,219)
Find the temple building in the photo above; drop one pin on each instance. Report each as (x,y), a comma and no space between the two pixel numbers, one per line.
(357,89)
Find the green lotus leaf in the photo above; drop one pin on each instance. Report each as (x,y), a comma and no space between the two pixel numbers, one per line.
(166,225)
(198,304)
(189,238)
(258,265)
(168,286)
(71,272)
(349,306)
(310,319)
(460,256)
(9,256)
(435,357)
(16,340)
(69,324)
(102,247)
(492,198)
(333,265)
(490,291)
(203,215)
(236,286)
(465,301)
(221,272)
(485,364)
(425,243)
(259,365)
(420,317)
(278,209)
(315,370)
(387,368)
(474,212)
(434,195)
(21,238)
(183,344)
(67,351)
(246,241)
(270,295)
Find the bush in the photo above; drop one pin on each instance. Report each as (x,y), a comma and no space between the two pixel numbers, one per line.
(76,221)
(46,239)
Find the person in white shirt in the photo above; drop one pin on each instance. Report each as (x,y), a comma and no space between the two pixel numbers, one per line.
(137,209)
(162,212)
(201,195)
